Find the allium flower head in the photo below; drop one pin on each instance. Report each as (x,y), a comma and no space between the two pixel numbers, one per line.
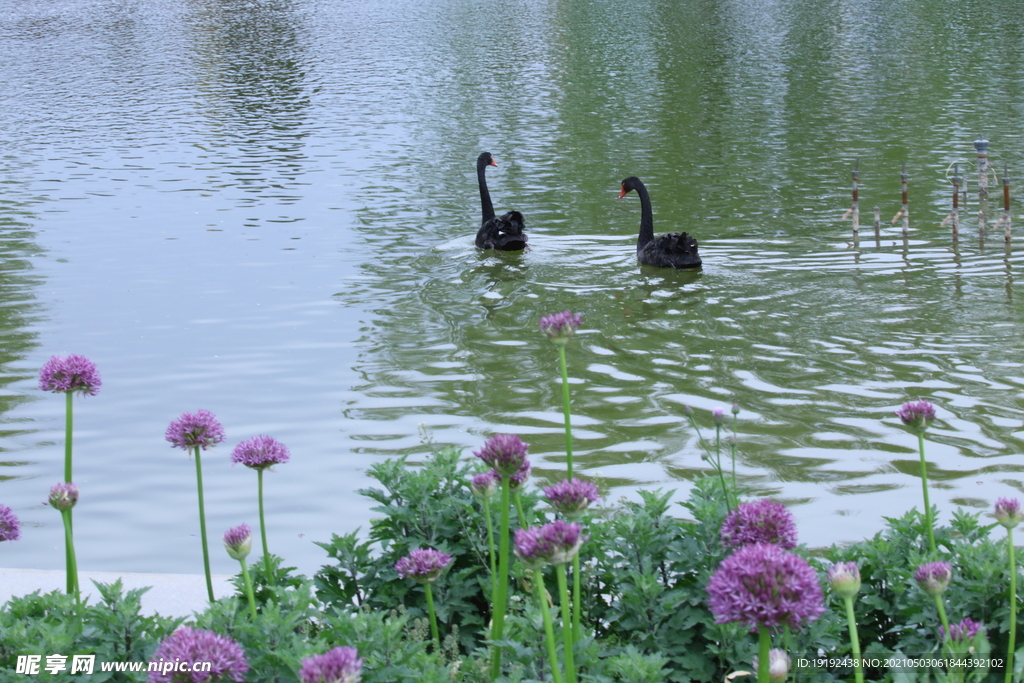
(10,528)
(1008,512)
(718,416)
(200,428)
(560,326)
(934,577)
(260,452)
(917,414)
(567,538)
(553,543)
(64,495)
(778,665)
(423,565)
(532,548)
(340,665)
(962,632)
(844,577)
(571,496)
(192,646)
(484,485)
(506,453)
(74,373)
(764,585)
(516,481)
(735,408)
(763,521)
(238,541)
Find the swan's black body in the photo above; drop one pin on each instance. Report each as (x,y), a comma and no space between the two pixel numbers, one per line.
(504,232)
(674,250)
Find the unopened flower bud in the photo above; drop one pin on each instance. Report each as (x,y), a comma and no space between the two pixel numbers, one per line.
(238,541)
(844,578)
(64,495)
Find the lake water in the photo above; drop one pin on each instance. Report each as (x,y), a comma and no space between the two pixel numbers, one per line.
(267,208)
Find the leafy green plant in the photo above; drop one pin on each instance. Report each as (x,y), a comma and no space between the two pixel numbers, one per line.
(275,642)
(113,630)
(894,616)
(428,506)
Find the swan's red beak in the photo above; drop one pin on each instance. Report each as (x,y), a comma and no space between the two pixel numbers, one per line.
(493,162)
(622,193)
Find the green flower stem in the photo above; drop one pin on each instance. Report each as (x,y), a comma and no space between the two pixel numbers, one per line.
(1013,606)
(565,409)
(732,450)
(263,529)
(69,550)
(490,546)
(943,619)
(71,577)
(718,443)
(549,631)
(248,588)
(202,526)
(858,671)
(72,566)
(576,597)
(568,637)
(718,457)
(68,419)
(524,516)
(716,463)
(433,618)
(764,646)
(498,609)
(924,486)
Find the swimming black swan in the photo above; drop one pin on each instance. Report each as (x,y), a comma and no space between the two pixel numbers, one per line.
(504,233)
(674,250)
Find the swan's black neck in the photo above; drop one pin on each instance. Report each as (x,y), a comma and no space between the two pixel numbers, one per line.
(646,217)
(485,196)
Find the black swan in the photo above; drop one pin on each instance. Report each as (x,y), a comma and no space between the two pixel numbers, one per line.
(505,232)
(674,250)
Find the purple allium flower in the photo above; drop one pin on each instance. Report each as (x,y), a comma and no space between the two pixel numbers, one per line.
(485,484)
(917,414)
(423,565)
(567,538)
(844,577)
(64,495)
(718,416)
(553,543)
(516,481)
(10,528)
(76,374)
(192,646)
(200,428)
(560,326)
(764,585)
(506,453)
(532,548)
(934,577)
(763,521)
(340,665)
(571,496)
(260,452)
(735,408)
(1008,512)
(238,541)
(778,665)
(962,632)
